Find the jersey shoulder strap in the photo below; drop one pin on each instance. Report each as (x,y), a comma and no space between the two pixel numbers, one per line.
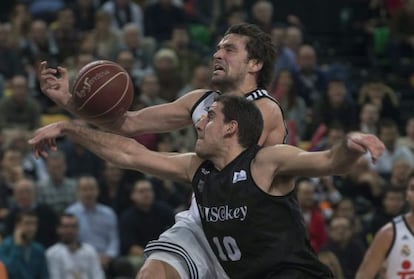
(200,108)
(262,93)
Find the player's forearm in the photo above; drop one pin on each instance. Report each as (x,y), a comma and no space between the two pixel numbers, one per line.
(155,119)
(110,147)
(341,158)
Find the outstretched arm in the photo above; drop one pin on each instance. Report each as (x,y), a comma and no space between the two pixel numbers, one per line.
(155,119)
(376,253)
(292,161)
(121,151)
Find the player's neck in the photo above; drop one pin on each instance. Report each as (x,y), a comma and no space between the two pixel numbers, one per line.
(239,89)
(226,155)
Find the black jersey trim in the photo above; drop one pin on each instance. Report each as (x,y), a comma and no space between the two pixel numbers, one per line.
(205,95)
(394,236)
(407,225)
(262,93)
(174,248)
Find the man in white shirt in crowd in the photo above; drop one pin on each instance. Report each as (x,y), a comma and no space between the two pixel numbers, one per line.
(70,258)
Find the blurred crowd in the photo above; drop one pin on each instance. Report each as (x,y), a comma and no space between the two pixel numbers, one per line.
(341,66)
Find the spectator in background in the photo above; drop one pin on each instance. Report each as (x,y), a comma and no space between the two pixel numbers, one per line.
(286,57)
(393,204)
(84,11)
(11,171)
(200,79)
(176,195)
(310,79)
(23,257)
(126,60)
(79,160)
(144,221)
(294,107)
(293,39)
(67,37)
(114,188)
(374,91)
(388,133)
(150,91)
(311,213)
(160,18)
(233,16)
(58,191)
(39,43)
(369,119)
(20,20)
(401,169)
(71,258)
(402,34)
(45,9)
(187,52)
(19,110)
(24,200)
(123,12)
(335,107)
(10,63)
(107,40)
(348,249)
(166,65)
(262,15)
(32,167)
(98,225)
(141,47)
(346,208)
(363,185)
(408,140)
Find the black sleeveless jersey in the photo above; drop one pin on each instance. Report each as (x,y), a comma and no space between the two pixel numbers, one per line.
(200,108)
(253,234)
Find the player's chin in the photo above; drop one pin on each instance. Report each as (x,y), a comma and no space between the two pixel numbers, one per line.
(200,151)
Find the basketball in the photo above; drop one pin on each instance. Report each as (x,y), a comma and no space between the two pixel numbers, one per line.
(102,91)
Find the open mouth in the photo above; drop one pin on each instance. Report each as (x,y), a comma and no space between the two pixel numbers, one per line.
(218,67)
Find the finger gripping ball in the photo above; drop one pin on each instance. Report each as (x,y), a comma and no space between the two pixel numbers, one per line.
(102,91)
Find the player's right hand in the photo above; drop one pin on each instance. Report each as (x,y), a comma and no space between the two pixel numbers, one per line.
(56,88)
(44,139)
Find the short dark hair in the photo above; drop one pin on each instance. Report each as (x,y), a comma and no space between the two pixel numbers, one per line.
(247,115)
(259,46)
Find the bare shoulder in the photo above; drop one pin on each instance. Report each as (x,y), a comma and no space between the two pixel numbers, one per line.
(192,97)
(386,232)
(274,130)
(384,238)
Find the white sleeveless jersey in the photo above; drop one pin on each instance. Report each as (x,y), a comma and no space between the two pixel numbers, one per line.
(400,260)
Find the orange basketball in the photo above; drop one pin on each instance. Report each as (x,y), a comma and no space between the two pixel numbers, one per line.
(102,91)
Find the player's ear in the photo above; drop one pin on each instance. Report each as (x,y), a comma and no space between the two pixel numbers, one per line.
(231,128)
(255,65)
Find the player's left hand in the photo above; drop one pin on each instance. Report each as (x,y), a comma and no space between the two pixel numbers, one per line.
(362,143)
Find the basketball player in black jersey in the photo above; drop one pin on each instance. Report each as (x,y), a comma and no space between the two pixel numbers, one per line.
(243,65)
(253,233)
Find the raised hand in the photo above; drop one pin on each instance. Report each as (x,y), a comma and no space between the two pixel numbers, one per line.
(56,88)
(44,139)
(366,142)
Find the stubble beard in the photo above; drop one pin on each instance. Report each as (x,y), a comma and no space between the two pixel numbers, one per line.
(224,84)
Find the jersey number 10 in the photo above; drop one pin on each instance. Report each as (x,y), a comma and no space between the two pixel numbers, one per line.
(232,251)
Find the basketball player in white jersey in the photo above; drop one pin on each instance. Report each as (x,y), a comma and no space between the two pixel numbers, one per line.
(393,246)
(243,65)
